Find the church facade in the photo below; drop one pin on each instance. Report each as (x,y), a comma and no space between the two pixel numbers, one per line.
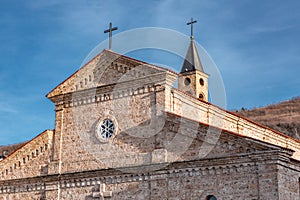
(123,131)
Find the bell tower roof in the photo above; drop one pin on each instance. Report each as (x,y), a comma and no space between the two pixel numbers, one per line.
(192,60)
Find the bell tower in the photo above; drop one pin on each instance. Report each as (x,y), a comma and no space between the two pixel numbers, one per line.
(192,78)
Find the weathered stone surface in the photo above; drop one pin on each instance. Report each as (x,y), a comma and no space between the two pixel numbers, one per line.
(29,161)
(165,145)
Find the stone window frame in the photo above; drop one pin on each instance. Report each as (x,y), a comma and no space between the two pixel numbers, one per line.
(97,128)
(211,197)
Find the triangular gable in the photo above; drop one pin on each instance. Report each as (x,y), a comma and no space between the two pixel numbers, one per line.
(104,69)
(29,160)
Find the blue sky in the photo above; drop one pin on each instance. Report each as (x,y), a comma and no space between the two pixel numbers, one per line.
(254,43)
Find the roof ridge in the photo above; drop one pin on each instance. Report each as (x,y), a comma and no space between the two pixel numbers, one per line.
(236,115)
(140,61)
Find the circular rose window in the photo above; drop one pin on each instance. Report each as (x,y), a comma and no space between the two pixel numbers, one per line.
(106,129)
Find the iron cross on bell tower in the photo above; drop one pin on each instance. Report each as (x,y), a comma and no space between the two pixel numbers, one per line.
(110,30)
(192,29)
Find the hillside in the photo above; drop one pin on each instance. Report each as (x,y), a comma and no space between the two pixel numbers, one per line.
(284,116)
(7,150)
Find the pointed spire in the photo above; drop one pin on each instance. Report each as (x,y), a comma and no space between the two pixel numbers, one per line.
(192,61)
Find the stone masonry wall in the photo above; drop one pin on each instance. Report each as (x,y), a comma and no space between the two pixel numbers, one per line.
(289,182)
(189,107)
(76,144)
(155,153)
(30,160)
(225,179)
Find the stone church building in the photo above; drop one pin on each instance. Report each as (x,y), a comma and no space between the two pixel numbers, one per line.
(123,131)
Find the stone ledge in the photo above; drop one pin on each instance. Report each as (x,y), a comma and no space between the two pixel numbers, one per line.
(225,166)
(217,117)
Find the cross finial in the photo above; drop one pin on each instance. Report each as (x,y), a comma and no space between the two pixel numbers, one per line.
(192,29)
(110,30)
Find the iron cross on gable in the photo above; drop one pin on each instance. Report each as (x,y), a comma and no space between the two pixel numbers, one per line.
(101,193)
(110,30)
(192,29)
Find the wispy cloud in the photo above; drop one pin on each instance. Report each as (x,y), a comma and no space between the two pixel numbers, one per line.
(42,42)
(12,103)
(6,108)
(270,29)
